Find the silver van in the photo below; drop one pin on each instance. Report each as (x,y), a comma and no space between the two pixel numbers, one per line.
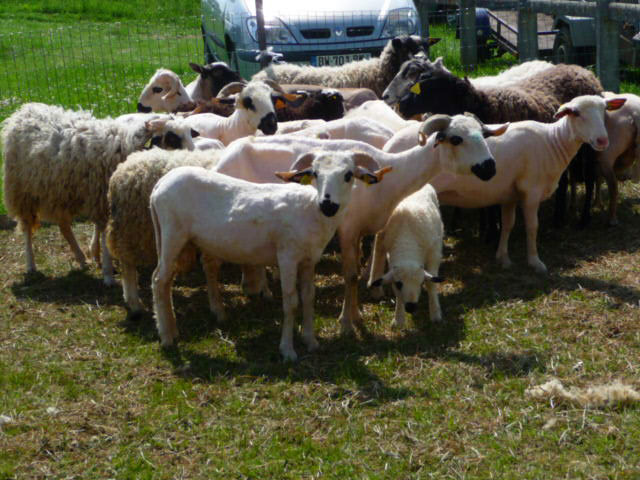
(326,32)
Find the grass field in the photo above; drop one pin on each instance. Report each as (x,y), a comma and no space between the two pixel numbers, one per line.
(86,393)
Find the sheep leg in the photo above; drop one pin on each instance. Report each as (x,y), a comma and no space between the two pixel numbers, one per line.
(399,319)
(597,201)
(612,186)
(129,278)
(67,233)
(307,293)
(589,182)
(530,210)
(107,263)
(560,207)
(377,265)
(508,220)
(161,283)
(211,267)
(288,277)
(350,313)
(254,281)
(27,231)
(435,313)
(94,249)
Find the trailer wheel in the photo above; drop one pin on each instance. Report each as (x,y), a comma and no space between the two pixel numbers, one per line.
(563,49)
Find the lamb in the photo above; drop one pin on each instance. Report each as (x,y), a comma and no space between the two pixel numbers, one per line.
(412,243)
(351,97)
(253,224)
(374,73)
(411,71)
(254,159)
(254,110)
(623,126)
(165,93)
(130,230)
(57,165)
(530,158)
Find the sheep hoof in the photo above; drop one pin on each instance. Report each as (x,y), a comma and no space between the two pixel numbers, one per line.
(377,293)
(311,343)
(505,262)
(538,266)
(288,354)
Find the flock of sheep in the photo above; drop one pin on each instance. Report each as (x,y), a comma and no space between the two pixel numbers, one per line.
(266,172)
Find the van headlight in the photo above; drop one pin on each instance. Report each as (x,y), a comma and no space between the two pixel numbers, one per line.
(402,21)
(275,31)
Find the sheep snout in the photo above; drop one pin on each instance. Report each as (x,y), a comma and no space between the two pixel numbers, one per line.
(485,170)
(143,108)
(268,124)
(329,208)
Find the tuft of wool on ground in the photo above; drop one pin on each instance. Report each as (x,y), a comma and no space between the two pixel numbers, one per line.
(612,395)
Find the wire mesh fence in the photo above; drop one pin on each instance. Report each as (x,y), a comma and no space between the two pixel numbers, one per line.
(98,66)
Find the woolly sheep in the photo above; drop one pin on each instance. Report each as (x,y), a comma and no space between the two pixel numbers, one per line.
(412,69)
(130,230)
(255,224)
(374,73)
(57,165)
(411,242)
(255,159)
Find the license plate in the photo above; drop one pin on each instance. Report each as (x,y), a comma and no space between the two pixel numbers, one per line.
(337,60)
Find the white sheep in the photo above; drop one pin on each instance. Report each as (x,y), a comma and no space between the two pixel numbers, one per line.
(254,110)
(130,230)
(253,224)
(374,73)
(530,159)
(363,129)
(57,165)
(165,93)
(255,159)
(411,242)
(382,113)
(623,154)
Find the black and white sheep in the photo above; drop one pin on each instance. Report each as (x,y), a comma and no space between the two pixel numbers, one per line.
(373,73)
(57,165)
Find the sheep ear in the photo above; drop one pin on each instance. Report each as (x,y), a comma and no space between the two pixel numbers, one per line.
(396,43)
(298,176)
(384,280)
(279,102)
(431,278)
(615,103)
(303,161)
(367,176)
(155,125)
(431,41)
(494,131)
(194,133)
(563,111)
(197,68)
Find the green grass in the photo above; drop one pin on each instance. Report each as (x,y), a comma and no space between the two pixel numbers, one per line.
(91,395)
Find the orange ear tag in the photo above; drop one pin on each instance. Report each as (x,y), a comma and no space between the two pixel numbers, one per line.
(280,104)
(415,89)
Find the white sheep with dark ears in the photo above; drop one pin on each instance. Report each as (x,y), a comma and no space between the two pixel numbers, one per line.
(411,242)
(439,150)
(256,225)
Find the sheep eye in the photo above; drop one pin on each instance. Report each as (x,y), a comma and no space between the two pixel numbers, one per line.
(156,89)
(455,140)
(399,285)
(348,176)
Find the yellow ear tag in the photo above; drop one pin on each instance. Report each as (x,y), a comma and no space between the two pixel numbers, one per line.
(306,180)
(415,89)
(148,144)
(280,104)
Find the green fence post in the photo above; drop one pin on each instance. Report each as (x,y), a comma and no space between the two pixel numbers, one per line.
(527,32)
(468,38)
(607,55)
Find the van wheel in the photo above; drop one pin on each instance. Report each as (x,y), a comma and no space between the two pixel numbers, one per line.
(563,49)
